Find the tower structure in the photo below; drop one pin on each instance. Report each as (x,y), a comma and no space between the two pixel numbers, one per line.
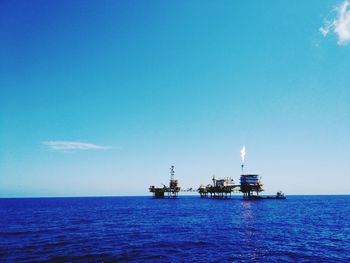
(174,189)
(250,184)
(171,191)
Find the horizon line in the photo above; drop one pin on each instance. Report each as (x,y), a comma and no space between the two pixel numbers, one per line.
(187,195)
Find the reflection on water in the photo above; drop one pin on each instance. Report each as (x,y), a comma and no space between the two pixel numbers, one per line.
(247,211)
(250,237)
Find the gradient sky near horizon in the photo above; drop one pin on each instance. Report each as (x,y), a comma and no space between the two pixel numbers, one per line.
(102,97)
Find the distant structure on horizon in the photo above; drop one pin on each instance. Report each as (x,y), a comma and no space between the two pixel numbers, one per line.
(221,188)
(171,191)
(250,185)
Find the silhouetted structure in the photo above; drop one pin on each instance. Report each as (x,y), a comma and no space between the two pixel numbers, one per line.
(171,191)
(250,184)
(221,188)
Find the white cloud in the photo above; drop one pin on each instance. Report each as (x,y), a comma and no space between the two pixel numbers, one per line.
(325,30)
(340,25)
(68,146)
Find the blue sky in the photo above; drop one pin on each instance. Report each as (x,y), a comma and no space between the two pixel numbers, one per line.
(101,97)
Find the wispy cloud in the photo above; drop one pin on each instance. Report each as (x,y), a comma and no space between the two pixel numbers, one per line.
(340,25)
(69,146)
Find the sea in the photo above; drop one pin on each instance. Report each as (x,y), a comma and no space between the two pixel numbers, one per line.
(186,229)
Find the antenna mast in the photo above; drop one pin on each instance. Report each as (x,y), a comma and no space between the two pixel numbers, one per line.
(172,172)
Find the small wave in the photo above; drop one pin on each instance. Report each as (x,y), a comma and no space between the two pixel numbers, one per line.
(56,244)
(13,233)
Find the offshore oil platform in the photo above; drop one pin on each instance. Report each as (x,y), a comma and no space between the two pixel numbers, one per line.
(250,186)
(221,188)
(171,191)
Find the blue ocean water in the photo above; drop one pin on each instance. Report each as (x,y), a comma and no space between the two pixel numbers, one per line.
(143,229)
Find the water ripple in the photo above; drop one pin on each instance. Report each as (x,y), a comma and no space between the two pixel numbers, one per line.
(142,229)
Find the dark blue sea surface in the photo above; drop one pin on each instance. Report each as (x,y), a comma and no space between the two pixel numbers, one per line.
(187,229)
